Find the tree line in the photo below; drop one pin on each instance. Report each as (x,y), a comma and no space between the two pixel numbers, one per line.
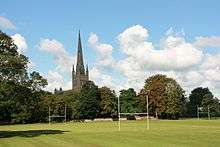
(23,100)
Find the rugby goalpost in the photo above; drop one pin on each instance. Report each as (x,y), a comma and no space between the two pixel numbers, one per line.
(200,111)
(147,113)
(57,116)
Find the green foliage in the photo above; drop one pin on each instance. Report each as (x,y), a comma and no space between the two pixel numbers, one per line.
(128,101)
(37,82)
(108,104)
(19,93)
(195,100)
(12,64)
(87,105)
(203,97)
(166,97)
(57,103)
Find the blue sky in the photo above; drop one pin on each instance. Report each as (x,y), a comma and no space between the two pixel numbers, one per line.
(58,20)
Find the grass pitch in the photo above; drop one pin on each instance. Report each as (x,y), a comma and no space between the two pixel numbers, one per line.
(162,133)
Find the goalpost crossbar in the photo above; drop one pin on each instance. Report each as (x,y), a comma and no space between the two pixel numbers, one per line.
(134,113)
(57,116)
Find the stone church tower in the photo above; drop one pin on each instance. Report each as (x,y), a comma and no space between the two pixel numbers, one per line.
(80,76)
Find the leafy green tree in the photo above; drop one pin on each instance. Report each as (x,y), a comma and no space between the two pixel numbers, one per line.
(87,106)
(108,104)
(211,103)
(195,100)
(155,87)
(176,101)
(57,103)
(70,98)
(215,108)
(19,92)
(128,101)
(12,64)
(36,82)
(166,97)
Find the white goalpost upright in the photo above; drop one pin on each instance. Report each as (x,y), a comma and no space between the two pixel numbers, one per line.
(57,116)
(199,111)
(119,118)
(147,113)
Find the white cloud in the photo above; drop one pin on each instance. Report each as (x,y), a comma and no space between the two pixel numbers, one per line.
(56,80)
(93,39)
(211,61)
(172,32)
(175,52)
(213,74)
(129,68)
(52,46)
(6,23)
(101,79)
(186,62)
(63,60)
(211,67)
(104,51)
(20,41)
(143,59)
(213,41)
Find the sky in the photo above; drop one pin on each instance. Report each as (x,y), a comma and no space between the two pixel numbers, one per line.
(124,42)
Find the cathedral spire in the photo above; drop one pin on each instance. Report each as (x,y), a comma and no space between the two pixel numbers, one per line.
(80,65)
(79,43)
(80,75)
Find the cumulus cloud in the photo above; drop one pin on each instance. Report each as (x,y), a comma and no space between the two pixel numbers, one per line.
(102,79)
(142,59)
(186,62)
(56,80)
(63,60)
(171,32)
(104,51)
(213,41)
(211,61)
(175,53)
(211,67)
(20,41)
(6,23)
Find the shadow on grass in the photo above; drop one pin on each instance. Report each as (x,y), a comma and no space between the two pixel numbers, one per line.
(29,133)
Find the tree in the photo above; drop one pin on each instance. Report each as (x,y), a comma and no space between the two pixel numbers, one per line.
(19,92)
(57,103)
(128,101)
(12,64)
(211,104)
(166,97)
(215,107)
(176,101)
(87,106)
(108,104)
(36,81)
(195,100)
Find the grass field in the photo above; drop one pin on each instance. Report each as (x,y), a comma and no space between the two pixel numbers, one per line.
(163,133)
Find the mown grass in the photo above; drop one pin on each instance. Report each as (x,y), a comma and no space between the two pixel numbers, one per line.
(162,133)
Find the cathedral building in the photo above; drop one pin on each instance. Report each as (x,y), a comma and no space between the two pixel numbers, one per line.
(80,75)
